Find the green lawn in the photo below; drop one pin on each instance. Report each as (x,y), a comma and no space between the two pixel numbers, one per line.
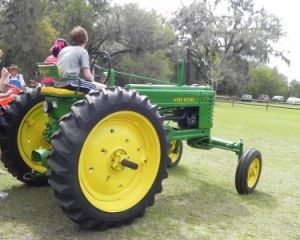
(199,200)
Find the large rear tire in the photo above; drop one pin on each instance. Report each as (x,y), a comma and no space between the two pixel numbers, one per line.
(92,183)
(22,127)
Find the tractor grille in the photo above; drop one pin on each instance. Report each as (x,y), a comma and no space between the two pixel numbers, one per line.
(211,100)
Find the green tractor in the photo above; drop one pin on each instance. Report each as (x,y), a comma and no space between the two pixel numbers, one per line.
(105,154)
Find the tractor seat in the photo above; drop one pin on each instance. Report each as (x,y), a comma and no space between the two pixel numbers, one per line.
(46,70)
(60,92)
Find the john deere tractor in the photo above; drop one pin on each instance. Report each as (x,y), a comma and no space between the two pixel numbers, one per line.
(106,153)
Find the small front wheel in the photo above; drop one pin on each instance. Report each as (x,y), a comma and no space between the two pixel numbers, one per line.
(175,153)
(248,171)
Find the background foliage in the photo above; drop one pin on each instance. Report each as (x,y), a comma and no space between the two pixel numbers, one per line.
(230,40)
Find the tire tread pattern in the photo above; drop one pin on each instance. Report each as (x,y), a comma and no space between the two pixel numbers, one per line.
(74,129)
(241,175)
(12,119)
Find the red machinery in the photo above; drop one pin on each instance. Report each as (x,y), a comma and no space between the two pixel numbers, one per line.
(4,101)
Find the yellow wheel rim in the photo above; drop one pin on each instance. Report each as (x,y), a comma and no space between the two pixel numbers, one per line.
(253,173)
(104,181)
(30,135)
(173,154)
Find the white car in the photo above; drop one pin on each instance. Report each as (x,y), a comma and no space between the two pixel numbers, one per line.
(277,99)
(293,100)
(247,97)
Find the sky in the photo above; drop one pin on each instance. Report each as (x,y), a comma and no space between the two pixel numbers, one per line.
(287,11)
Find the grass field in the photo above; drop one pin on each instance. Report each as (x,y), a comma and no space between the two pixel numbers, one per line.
(199,200)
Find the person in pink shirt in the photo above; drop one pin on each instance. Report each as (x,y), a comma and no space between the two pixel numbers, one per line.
(58,45)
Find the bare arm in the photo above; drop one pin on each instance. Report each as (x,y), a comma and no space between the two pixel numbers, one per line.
(3,95)
(87,75)
(4,75)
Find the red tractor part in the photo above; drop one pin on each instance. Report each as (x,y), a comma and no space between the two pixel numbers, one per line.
(4,101)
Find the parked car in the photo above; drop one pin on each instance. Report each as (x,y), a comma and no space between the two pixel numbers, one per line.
(277,99)
(247,97)
(263,98)
(293,100)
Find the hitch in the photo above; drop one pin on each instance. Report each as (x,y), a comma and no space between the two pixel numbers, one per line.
(34,177)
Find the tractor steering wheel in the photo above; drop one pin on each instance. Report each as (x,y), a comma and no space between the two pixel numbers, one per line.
(107,57)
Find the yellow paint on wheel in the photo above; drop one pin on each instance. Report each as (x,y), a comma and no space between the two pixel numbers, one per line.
(30,136)
(173,154)
(104,181)
(253,173)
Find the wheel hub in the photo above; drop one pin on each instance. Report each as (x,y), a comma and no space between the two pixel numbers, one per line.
(253,172)
(116,159)
(30,136)
(173,151)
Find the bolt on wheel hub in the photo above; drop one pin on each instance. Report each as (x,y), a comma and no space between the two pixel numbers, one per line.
(116,159)
(120,159)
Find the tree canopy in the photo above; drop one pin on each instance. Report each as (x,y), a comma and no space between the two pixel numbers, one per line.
(26,34)
(294,89)
(226,37)
(266,80)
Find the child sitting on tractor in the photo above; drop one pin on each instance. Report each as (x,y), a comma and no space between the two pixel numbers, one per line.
(73,60)
(58,45)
